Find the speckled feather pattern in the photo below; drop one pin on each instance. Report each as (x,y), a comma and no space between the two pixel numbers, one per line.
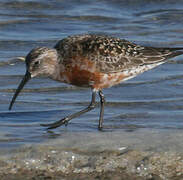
(95,61)
(111,54)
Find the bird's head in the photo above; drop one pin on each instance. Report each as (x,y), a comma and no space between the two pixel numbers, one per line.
(39,62)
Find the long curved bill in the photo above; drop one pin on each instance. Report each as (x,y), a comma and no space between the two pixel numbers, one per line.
(20,87)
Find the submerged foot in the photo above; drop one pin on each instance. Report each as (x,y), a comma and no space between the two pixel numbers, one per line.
(56,124)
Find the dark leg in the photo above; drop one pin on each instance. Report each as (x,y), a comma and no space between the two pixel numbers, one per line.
(102,101)
(68,118)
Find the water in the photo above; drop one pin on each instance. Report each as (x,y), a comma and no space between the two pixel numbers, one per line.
(149,104)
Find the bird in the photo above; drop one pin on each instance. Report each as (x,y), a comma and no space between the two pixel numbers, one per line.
(92,61)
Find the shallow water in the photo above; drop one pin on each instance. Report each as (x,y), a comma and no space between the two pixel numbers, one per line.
(150,102)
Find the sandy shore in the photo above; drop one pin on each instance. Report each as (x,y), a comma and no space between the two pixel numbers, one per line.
(54,164)
(134,155)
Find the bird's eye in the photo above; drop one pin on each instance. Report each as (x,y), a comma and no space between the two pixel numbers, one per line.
(36,63)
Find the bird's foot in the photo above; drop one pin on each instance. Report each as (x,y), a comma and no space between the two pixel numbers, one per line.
(56,124)
(100,128)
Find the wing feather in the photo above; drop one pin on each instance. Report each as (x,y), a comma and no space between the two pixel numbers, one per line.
(112,54)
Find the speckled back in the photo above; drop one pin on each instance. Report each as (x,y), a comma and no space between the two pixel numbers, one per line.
(111,54)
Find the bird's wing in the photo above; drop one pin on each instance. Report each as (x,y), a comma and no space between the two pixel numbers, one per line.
(120,55)
(138,57)
(112,54)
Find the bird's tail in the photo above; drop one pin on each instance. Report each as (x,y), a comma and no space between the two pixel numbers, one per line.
(171,52)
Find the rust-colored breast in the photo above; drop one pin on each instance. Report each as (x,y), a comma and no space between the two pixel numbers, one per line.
(82,77)
(84,73)
(81,72)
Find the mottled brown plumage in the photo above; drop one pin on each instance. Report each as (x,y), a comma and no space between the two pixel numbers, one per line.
(93,61)
(111,54)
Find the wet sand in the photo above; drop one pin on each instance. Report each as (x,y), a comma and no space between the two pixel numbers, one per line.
(105,165)
(100,156)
